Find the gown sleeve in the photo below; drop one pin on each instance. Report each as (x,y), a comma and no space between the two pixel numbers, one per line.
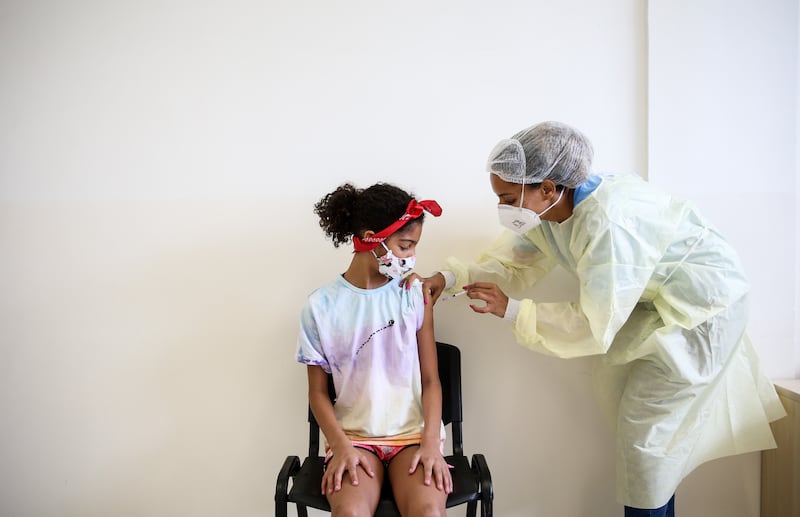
(614,258)
(513,262)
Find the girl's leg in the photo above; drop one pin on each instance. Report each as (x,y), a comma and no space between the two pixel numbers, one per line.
(413,498)
(668,510)
(361,500)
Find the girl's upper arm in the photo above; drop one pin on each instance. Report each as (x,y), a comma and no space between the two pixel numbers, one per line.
(426,345)
(317,381)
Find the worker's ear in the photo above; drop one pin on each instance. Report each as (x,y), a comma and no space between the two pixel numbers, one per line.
(548,188)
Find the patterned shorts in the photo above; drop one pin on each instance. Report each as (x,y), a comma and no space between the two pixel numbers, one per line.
(385,453)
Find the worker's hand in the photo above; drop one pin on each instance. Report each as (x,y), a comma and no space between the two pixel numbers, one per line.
(433,285)
(496,300)
(345,459)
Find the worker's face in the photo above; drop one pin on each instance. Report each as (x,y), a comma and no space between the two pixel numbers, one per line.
(511,193)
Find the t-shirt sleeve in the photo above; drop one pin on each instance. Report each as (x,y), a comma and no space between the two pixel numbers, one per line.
(309,346)
(419,303)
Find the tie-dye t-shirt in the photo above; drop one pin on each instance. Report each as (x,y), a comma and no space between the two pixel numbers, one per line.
(367,339)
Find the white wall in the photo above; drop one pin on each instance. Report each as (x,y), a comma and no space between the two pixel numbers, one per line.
(722,127)
(158,166)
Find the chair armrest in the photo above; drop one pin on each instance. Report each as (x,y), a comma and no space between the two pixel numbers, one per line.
(289,469)
(481,470)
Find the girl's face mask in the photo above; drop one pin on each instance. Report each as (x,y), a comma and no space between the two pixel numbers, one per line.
(394,267)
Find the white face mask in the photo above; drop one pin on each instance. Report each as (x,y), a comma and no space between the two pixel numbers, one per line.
(394,267)
(522,220)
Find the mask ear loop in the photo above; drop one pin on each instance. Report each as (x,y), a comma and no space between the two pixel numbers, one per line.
(379,258)
(524,171)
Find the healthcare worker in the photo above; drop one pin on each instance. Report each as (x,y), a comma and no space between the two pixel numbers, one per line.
(662,297)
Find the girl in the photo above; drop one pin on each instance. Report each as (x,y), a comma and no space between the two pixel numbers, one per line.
(376,340)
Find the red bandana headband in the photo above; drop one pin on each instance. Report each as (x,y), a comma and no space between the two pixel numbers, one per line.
(413,211)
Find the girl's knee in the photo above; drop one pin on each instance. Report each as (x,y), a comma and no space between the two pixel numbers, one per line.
(351,512)
(427,509)
(351,509)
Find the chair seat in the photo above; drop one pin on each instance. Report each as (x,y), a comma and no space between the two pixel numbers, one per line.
(306,488)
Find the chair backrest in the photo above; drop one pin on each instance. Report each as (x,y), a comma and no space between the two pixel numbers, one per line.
(449,359)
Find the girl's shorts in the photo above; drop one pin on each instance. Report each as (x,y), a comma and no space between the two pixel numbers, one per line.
(385,453)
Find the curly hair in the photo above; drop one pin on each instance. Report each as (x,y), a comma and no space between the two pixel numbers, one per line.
(349,211)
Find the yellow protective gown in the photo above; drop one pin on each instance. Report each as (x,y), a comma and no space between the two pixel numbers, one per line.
(664,299)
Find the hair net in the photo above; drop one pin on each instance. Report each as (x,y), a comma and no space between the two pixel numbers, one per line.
(550,150)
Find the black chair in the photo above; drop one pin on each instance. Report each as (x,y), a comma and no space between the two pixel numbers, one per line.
(472,482)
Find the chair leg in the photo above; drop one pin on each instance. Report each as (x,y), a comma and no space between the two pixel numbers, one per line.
(481,469)
(486,508)
(301,510)
(290,467)
(472,508)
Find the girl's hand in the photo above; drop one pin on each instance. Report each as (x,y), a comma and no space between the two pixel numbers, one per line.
(432,284)
(435,468)
(496,300)
(345,458)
